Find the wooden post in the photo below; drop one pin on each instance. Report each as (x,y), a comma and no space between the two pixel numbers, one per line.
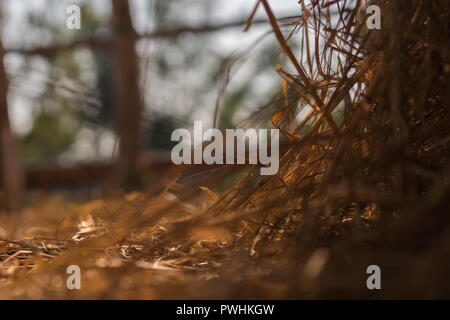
(11,170)
(128,101)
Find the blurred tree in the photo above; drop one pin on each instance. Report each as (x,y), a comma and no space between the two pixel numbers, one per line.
(11,171)
(61,107)
(128,99)
(94,23)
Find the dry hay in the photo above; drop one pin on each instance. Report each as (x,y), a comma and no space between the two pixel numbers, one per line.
(364,179)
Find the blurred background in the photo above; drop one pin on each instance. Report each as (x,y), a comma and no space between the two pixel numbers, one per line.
(67,87)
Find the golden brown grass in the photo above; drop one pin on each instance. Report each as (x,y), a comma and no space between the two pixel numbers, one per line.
(364,179)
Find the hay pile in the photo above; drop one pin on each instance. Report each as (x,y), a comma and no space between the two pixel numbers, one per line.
(364,179)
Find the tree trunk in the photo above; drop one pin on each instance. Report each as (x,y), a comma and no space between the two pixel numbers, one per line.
(11,171)
(128,102)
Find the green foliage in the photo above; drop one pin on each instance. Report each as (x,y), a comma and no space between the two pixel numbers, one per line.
(157,137)
(53,132)
(231,106)
(63,109)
